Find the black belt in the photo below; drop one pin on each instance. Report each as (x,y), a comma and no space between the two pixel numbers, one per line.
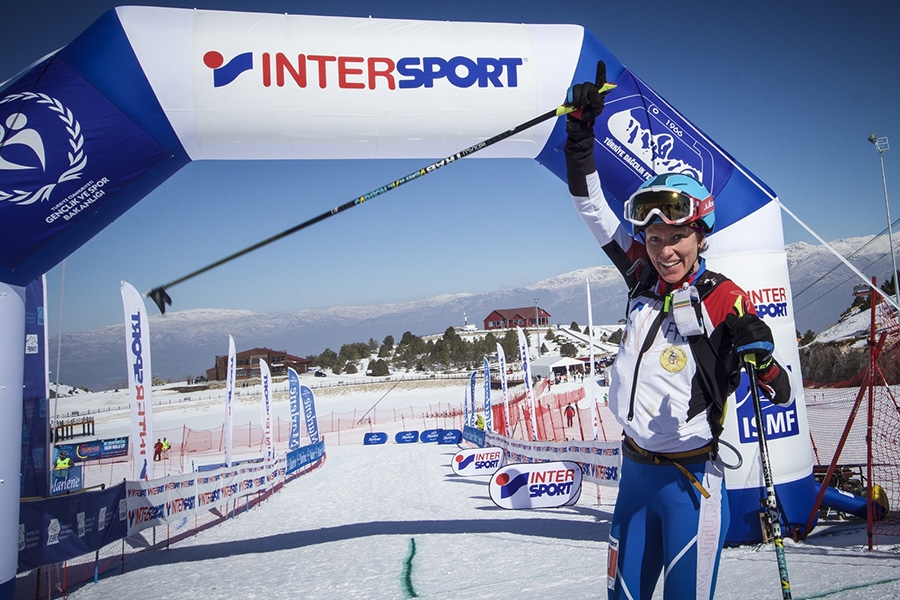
(634,452)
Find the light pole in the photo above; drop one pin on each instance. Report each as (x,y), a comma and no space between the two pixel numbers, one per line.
(537,325)
(882,146)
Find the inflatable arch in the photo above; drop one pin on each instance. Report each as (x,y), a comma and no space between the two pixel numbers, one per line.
(90,130)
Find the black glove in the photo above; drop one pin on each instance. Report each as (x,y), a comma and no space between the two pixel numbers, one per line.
(751,337)
(585,97)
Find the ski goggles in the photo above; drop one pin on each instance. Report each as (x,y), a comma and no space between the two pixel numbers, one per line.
(670,206)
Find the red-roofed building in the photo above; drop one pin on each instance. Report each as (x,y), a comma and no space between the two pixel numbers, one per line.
(505,318)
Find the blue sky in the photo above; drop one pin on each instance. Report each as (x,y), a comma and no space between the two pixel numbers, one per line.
(790,89)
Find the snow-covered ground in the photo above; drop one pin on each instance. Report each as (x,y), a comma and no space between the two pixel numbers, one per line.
(393,521)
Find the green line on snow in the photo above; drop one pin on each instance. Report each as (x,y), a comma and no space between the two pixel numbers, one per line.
(407,570)
(848,588)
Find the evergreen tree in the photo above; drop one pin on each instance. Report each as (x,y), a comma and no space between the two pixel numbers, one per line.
(615,337)
(568,350)
(379,368)
(574,327)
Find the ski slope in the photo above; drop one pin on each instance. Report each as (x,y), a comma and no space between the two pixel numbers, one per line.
(393,521)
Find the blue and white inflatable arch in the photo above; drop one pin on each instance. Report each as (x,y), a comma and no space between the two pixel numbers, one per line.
(89,131)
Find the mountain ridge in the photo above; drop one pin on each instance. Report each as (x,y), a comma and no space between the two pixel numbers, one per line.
(186,342)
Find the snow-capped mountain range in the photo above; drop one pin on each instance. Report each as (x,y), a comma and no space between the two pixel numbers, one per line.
(187,342)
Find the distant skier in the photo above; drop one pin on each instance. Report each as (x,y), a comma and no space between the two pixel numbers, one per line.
(687,331)
(570,415)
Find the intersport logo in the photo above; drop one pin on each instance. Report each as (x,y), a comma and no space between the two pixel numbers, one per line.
(279,69)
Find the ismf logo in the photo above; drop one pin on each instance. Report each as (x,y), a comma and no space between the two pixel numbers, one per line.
(478,461)
(301,70)
(223,73)
(779,420)
(539,485)
(41,146)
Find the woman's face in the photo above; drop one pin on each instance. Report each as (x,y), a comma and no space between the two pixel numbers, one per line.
(674,249)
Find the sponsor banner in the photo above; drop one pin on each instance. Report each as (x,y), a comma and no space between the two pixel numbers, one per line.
(488,414)
(504,387)
(304,456)
(471,420)
(294,402)
(538,485)
(450,436)
(429,436)
(406,437)
(137,350)
(66,480)
(35,467)
(600,462)
(477,461)
(265,380)
(229,401)
(309,413)
(473,435)
(172,500)
(592,382)
(96,450)
(526,370)
(374,438)
(53,530)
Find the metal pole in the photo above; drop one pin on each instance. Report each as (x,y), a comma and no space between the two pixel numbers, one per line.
(881,145)
(887,208)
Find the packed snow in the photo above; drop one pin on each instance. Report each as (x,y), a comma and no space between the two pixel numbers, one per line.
(393,521)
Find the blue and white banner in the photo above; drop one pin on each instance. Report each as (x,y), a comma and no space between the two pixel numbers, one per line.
(294,404)
(473,462)
(450,436)
(504,387)
(96,450)
(36,465)
(526,373)
(488,414)
(540,485)
(309,412)
(591,380)
(406,437)
(304,456)
(140,380)
(54,530)
(374,438)
(66,480)
(471,420)
(600,461)
(265,381)
(229,401)
(171,500)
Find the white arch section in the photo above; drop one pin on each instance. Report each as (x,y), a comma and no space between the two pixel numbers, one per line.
(338,87)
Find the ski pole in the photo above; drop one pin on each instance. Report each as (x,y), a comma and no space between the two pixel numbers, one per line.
(161,297)
(772,518)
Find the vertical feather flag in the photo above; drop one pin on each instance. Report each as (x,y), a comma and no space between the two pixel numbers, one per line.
(488,416)
(229,401)
(472,398)
(592,383)
(265,379)
(294,395)
(140,380)
(504,386)
(526,370)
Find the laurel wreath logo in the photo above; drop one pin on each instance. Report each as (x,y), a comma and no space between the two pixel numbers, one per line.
(77,158)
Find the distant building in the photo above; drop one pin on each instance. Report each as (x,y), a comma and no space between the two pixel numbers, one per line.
(247,364)
(505,318)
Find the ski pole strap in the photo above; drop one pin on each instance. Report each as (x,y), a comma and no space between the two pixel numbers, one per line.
(634,452)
